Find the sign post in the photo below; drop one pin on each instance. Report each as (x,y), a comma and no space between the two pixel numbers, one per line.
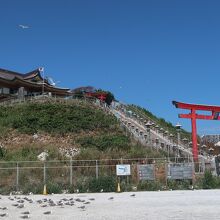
(122,170)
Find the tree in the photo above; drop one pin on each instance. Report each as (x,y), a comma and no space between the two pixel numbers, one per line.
(109,97)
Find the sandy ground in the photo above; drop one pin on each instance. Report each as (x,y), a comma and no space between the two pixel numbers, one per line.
(198,204)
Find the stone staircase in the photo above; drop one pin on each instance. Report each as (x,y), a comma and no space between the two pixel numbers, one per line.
(148,133)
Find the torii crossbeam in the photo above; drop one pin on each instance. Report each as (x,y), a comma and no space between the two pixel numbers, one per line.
(215,110)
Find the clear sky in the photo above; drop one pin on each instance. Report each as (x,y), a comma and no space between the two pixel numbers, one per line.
(147,52)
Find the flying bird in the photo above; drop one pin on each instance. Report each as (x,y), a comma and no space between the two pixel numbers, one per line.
(23,26)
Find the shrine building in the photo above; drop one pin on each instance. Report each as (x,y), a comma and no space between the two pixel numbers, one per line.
(17,85)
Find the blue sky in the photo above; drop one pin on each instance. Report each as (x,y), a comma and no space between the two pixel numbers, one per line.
(146,52)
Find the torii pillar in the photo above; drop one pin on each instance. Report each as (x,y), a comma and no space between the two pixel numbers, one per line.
(215,110)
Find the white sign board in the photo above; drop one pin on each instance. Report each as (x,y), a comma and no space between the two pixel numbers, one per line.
(123,169)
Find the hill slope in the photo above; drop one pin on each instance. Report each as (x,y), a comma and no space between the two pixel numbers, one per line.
(80,127)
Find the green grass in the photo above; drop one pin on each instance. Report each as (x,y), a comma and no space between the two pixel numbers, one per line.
(54,118)
(96,133)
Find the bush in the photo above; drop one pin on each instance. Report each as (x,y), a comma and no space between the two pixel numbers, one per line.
(35,188)
(149,185)
(107,184)
(179,184)
(2,152)
(54,188)
(104,142)
(209,181)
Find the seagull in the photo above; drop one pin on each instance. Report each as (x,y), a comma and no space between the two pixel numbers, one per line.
(26,213)
(20,206)
(86,203)
(23,26)
(4,208)
(25,216)
(21,201)
(48,213)
(39,201)
(3,214)
(82,207)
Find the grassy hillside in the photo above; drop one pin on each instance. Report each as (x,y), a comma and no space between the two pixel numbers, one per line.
(80,125)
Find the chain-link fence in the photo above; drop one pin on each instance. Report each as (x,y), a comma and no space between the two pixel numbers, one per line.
(30,176)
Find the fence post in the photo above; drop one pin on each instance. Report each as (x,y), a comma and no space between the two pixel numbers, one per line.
(96,169)
(17,177)
(44,173)
(71,172)
(166,173)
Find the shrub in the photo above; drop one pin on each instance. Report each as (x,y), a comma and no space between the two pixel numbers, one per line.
(178,184)
(105,183)
(2,152)
(149,185)
(209,181)
(104,142)
(54,188)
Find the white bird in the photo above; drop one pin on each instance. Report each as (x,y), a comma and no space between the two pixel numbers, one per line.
(23,26)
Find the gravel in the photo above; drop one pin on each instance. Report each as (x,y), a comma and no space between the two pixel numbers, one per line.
(168,205)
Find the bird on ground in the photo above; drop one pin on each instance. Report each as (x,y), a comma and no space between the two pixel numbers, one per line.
(3,214)
(4,208)
(26,213)
(39,201)
(82,207)
(111,198)
(25,216)
(21,201)
(20,206)
(132,195)
(47,212)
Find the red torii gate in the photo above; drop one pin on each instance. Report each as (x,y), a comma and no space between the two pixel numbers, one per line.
(215,110)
